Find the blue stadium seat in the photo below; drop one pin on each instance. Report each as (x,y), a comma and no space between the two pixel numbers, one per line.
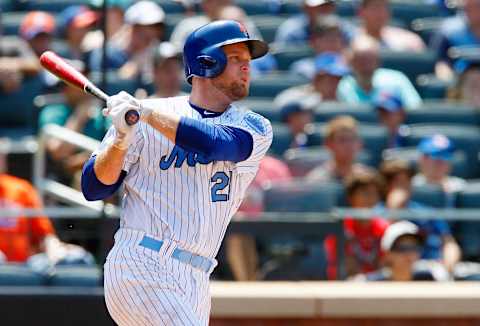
(171,7)
(465,138)
(444,112)
(259,7)
(412,64)
(430,195)
(19,275)
(460,167)
(299,196)
(470,196)
(76,276)
(361,112)
(302,160)
(52,5)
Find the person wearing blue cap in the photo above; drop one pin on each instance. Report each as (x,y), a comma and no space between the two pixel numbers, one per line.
(435,164)
(330,68)
(298,117)
(392,115)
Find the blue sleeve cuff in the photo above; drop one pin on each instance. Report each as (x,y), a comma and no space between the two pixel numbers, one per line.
(214,142)
(94,189)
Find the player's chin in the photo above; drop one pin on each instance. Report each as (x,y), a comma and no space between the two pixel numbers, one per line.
(238,91)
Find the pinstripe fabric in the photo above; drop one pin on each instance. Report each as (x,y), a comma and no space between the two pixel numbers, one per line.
(182,202)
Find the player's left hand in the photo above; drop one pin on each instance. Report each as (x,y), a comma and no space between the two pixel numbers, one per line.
(124,97)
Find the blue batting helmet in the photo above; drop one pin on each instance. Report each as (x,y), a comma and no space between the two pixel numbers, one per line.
(203,55)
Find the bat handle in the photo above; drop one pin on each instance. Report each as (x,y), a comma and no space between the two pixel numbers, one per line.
(131,117)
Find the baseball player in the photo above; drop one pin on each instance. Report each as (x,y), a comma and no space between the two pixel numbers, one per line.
(185,168)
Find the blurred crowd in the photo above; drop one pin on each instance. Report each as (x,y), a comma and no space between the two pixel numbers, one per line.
(327,122)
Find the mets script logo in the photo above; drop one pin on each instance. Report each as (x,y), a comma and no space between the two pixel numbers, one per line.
(179,155)
(242,29)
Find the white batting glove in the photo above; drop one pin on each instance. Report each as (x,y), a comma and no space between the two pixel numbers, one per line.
(116,110)
(125,97)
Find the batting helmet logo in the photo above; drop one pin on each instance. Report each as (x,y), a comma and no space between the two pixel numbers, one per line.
(203,55)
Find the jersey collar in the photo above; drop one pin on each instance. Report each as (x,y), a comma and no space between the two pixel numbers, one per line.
(204,112)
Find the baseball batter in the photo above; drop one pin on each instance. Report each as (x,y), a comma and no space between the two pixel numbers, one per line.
(185,168)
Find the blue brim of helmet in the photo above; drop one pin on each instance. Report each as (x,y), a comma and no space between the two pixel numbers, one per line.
(257,48)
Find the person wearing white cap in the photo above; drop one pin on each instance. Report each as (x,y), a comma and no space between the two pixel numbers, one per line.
(298,28)
(131,50)
(401,245)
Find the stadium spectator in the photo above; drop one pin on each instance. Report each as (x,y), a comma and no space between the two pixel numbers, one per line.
(79,113)
(22,237)
(368,79)
(435,165)
(241,249)
(17,60)
(297,29)
(115,22)
(325,37)
(439,243)
(392,115)
(259,66)
(167,71)
(329,70)
(38,29)
(461,31)
(344,144)
(375,17)
(401,245)
(362,248)
(467,86)
(131,52)
(74,23)
(298,116)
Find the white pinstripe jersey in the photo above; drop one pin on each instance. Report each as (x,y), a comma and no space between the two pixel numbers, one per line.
(177,195)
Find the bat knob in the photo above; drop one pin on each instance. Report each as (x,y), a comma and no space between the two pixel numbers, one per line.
(132,117)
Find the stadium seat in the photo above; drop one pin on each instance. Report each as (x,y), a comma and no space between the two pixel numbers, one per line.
(430,195)
(267,25)
(465,138)
(300,196)
(52,5)
(470,196)
(263,106)
(409,10)
(259,7)
(11,22)
(344,8)
(466,232)
(460,167)
(286,56)
(76,276)
(272,84)
(374,139)
(302,160)
(281,139)
(171,20)
(19,275)
(412,64)
(171,7)
(430,86)
(115,84)
(361,112)
(444,112)
(427,27)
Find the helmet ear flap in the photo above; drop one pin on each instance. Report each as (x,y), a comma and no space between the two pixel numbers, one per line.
(206,61)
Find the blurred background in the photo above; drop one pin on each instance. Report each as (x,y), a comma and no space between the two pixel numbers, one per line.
(373,173)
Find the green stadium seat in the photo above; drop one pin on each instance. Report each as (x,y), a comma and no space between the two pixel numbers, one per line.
(299,196)
(171,7)
(466,232)
(171,20)
(430,195)
(412,64)
(267,25)
(427,27)
(11,22)
(460,166)
(431,87)
(272,84)
(465,138)
(361,112)
(52,5)
(76,276)
(374,138)
(281,139)
(19,275)
(263,106)
(259,7)
(286,56)
(444,112)
(470,196)
(409,10)
(303,160)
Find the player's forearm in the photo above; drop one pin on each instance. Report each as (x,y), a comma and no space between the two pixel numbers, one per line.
(165,121)
(108,164)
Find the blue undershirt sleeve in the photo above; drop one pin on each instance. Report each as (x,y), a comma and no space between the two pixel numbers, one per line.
(216,142)
(94,189)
